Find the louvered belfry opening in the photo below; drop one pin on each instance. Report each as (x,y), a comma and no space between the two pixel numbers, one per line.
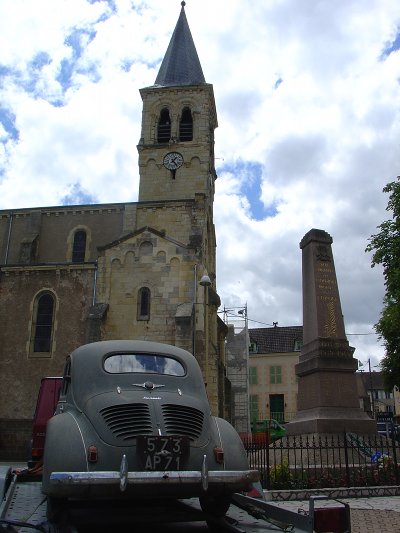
(186,126)
(164,127)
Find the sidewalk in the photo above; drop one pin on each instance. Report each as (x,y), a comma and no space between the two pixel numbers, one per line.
(368,515)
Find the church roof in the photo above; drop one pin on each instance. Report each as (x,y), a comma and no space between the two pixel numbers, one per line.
(181,64)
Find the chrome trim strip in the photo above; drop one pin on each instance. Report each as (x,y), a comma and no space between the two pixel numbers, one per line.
(83,440)
(204,473)
(123,474)
(239,478)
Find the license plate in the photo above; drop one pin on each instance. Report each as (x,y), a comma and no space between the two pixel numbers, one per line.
(162,453)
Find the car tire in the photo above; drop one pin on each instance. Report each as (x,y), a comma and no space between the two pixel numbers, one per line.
(215,505)
(57,528)
(56,508)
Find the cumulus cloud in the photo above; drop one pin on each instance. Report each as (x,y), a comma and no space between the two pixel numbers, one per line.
(309,120)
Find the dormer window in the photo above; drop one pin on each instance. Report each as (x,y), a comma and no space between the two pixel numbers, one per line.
(186,126)
(164,127)
(253,347)
(297,346)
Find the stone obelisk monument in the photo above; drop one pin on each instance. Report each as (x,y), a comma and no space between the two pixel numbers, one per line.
(327,394)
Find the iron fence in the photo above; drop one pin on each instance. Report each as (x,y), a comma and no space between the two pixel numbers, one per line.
(324,461)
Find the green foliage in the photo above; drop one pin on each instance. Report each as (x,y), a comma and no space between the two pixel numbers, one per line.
(385,246)
(280,476)
(369,475)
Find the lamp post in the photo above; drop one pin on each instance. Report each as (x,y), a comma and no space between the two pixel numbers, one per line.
(205,282)
(370,386)
(372,389)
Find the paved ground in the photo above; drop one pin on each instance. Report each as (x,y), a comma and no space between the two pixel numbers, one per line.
(368,515)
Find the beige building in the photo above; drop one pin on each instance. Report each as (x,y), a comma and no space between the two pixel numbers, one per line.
(273,355)
(381,402)
(144,270)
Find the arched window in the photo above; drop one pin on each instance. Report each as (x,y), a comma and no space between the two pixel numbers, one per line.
(43,323)
(164,127)
(79,247)
(186,125)
(143,305)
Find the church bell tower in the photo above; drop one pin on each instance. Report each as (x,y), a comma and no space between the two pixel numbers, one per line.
(176,148)
(176,195)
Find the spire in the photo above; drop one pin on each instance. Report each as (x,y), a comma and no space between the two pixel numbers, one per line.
(181,64)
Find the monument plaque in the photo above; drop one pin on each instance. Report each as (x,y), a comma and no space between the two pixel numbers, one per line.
(327,390)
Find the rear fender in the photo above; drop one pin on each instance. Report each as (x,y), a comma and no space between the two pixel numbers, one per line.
(235,457)
(65,447)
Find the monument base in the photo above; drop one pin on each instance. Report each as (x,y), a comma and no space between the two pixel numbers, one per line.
(331,420)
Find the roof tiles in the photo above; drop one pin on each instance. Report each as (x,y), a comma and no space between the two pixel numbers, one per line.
(276,339)
(181,64)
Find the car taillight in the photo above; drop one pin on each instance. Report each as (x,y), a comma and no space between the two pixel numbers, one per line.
(92,454)
(219,455)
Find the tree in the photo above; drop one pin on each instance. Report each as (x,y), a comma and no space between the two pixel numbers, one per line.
(385,246)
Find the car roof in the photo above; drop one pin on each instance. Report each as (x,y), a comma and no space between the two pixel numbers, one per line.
(90,378)
(98,349)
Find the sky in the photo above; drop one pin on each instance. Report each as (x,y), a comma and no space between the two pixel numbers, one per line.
(308,101)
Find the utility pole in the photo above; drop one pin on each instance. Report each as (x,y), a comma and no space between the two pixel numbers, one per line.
(371,389)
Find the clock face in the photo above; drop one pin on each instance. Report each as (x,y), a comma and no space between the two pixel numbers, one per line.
(173,160)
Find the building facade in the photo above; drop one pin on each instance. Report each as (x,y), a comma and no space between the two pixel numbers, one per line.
(273,385)
(273,355)
(144,270)
(381,401)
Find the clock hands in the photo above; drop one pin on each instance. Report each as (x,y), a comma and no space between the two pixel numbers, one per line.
(172,161)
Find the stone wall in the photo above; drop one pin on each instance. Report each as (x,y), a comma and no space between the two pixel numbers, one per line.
(53,229)
(21,369)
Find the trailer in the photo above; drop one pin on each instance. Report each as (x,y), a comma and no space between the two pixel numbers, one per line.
(23,509)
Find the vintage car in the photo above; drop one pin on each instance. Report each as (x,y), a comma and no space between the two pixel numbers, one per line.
(133,422)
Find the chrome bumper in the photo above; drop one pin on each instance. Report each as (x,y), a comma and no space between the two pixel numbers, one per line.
(238,479)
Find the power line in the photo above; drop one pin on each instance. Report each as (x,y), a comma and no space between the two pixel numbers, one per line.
(229,313)
(258,322)
(372,333)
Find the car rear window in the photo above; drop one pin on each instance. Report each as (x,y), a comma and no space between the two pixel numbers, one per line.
(127,363)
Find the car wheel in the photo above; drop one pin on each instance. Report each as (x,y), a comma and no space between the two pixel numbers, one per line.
(56,508)
(57,528)
(216,505)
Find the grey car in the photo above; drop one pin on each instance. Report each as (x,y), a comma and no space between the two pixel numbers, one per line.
(133,422)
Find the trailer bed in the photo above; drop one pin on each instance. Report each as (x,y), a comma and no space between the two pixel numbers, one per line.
(24,503)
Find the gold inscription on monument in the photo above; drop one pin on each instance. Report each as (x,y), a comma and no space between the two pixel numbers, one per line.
(327,294)
(330,325)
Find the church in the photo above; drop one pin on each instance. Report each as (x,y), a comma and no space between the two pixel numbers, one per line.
(70,275)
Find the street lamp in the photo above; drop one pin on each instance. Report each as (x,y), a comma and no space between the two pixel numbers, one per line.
(205,282)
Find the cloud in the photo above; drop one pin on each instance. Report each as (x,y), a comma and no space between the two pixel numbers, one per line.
(78,196)
(308,105)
